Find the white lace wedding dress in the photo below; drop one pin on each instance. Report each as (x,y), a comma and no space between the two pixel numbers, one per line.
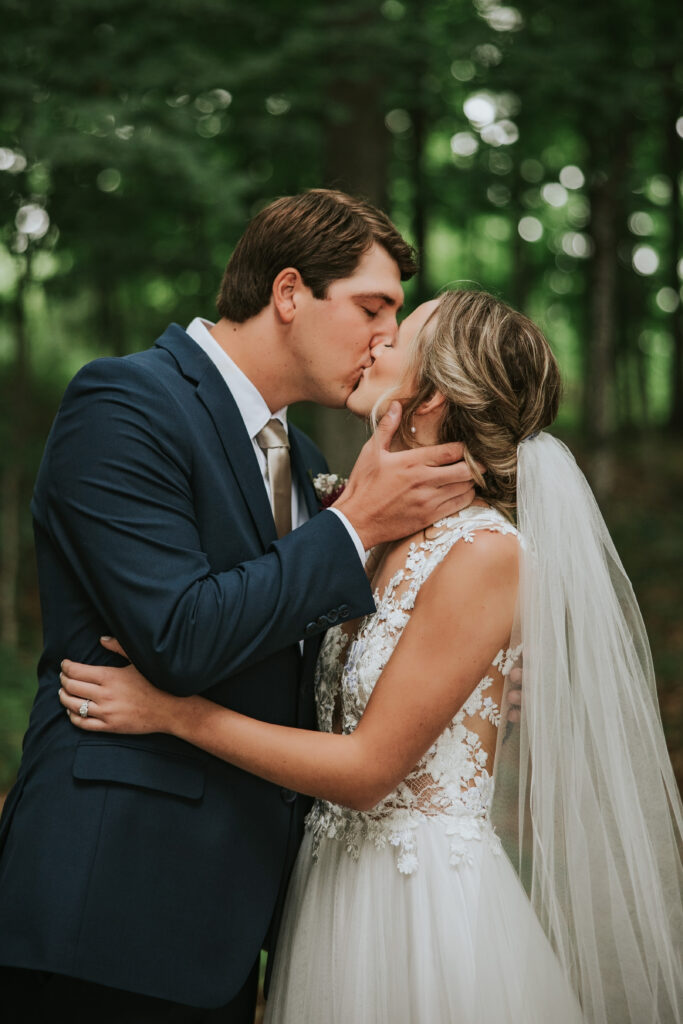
(411,912)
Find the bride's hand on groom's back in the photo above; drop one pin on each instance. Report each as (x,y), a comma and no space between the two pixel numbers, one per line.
(394,494)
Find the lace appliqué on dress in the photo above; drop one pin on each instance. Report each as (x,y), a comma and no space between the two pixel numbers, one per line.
(450,785)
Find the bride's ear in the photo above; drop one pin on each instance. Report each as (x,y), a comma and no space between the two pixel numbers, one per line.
(432,404)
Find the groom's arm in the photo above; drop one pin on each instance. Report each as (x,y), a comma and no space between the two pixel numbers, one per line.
(114,492)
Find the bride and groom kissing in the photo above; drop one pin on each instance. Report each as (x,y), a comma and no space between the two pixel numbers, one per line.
(145,855)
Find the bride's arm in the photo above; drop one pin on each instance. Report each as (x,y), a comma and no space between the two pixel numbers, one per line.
(462,617)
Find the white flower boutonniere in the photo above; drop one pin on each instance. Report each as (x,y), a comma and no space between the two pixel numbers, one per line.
(328,487)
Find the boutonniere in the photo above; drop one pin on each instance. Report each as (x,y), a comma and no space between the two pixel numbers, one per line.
(328,487)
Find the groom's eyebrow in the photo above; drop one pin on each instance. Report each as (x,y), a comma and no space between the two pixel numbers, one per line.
(389,299)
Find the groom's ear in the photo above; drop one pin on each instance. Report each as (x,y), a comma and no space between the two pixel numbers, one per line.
(285,288)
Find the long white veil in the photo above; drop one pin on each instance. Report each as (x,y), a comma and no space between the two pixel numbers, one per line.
(586,802)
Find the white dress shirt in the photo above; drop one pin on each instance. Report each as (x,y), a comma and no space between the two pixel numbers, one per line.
(255,413)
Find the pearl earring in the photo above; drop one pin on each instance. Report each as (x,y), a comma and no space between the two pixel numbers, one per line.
(412,430)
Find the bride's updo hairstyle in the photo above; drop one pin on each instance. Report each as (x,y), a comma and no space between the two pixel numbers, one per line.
(500,380)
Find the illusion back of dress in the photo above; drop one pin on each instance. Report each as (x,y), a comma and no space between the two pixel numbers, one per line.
(452,783)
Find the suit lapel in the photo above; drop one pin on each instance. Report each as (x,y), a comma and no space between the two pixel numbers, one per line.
(302,473)
(214,394)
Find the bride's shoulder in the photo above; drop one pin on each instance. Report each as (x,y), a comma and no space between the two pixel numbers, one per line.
(482,550)
(474,582)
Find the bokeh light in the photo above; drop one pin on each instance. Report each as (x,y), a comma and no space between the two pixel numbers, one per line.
(463,70)
(645,260)
(668,300)
(393,10)
(572,177)
(575,244)
(554,194)
(500,133)
(499,18)
(640,223)
(500,162)
(530,229)
(398,121)
(32,220)
(531,170)
(464,144)
(480,110)
(488,55)
(658,189)
(12,160)
(278,105)
(499,195)
(109,179)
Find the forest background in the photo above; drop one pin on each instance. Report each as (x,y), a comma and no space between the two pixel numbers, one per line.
(535,150)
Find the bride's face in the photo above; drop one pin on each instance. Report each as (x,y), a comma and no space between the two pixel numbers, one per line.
(389,364)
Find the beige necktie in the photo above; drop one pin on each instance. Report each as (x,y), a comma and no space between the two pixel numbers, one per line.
(275,443)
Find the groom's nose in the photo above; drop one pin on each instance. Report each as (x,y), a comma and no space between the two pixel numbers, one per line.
(387,335)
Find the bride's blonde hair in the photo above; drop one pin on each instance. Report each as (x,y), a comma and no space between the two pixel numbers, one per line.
(500,380)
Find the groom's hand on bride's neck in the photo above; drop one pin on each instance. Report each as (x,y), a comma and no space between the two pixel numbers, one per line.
(394,494)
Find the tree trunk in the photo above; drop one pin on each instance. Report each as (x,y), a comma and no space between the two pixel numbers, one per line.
(9,557)
(674,145)
(10,485)
(357,145)
(419,119)
(419,112)
(356,160)
(606,208)
(519,280)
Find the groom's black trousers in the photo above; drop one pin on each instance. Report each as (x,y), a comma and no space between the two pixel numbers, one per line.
(34,997)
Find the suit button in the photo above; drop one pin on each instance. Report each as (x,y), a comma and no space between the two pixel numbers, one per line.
(323,621)
(333,615)
(344,610)
(311,628)
(288,796)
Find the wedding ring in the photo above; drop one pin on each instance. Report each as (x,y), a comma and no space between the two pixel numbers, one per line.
(83,710)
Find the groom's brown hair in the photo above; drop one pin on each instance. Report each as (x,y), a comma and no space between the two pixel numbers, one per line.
(322,233)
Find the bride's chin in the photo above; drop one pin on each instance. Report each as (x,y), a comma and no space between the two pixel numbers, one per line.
(359,406)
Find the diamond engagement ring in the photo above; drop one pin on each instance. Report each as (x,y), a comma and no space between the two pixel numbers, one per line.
(83,710)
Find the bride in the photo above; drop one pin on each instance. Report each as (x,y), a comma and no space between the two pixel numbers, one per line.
(464,862)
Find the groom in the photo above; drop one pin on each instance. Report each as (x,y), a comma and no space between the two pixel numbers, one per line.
(139,877)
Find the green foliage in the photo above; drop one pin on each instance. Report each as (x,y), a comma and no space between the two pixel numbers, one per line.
(136,140)
(17,687)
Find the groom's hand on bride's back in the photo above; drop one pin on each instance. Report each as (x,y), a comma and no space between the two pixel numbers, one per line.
(394,494)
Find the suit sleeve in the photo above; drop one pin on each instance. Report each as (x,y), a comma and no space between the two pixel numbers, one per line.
(114,491)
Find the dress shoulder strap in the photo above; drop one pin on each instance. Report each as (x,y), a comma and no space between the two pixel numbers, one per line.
(424,557)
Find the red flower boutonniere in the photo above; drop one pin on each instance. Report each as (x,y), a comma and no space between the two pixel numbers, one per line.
(328,487)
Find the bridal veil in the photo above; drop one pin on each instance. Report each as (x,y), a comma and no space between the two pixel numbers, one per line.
(586,802)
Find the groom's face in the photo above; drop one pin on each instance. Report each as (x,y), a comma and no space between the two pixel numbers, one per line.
(336,336)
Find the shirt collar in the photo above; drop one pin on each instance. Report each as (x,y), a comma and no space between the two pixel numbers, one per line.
(251,404)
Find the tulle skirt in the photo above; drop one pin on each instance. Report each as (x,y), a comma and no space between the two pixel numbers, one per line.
(362,943)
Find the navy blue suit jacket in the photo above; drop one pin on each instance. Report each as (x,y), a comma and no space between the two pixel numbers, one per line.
(141,862)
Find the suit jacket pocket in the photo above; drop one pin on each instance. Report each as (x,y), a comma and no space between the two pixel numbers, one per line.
(136,766)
